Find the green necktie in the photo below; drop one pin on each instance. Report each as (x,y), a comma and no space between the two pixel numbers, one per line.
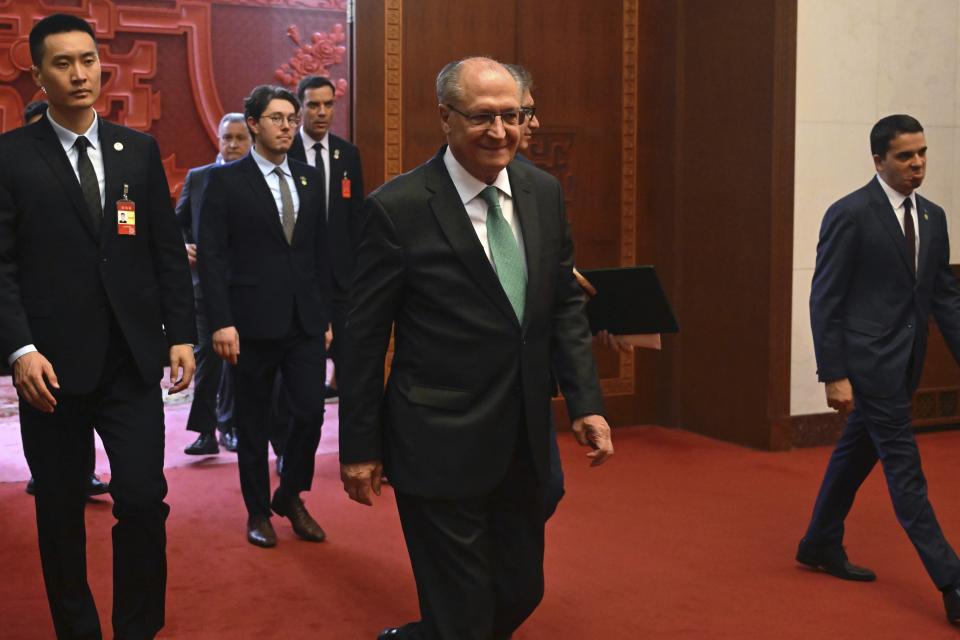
(507,256)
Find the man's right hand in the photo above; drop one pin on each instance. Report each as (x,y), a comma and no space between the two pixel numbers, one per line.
(226,343)
(840,395)
(361,480)
(191,254)
(33,373)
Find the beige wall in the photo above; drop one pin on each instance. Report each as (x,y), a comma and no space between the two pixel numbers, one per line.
(857,61)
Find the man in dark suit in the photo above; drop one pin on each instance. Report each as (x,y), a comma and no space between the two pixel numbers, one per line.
(470,256)
(212,389)
(266,285)
(34,112)
(339,163)
(90,311)
(883,266)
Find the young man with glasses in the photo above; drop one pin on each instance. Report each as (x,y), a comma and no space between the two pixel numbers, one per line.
(263,260)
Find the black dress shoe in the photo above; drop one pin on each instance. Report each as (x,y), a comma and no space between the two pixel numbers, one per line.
(303,524)
(96,487)
(31,486)
(834,561)
(260,532)
(228,440)
(951,602)
(280,465)
(392,633)
(204,445)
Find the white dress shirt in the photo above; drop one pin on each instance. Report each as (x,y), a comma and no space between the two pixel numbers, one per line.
(469,189)
(896,201)
(68,139)
(311,153)
(273,181)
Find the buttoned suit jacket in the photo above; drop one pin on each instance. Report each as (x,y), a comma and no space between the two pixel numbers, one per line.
(251,277)
(869,312)
(61,280)
(465,374)
(343,214)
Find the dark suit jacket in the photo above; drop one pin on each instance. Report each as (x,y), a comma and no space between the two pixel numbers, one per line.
(188,207)
(868,311)
(251,277)
(465,374)
(60,282)
(343,214)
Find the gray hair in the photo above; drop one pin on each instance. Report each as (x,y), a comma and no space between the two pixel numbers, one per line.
(449,89)
(521,75)
(228,119)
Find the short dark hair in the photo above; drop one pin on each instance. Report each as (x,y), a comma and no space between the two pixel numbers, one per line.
(314,82)
(57,23)
(256,103)
(889,128)
(34,109)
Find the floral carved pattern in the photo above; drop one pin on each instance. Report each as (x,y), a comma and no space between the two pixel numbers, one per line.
(552,151)
(314,58)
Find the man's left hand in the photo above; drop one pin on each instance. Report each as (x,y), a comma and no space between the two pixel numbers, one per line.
(594,431)
(182,366)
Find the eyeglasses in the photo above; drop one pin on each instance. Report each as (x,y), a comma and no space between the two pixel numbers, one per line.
(277,119)
(529,112)
(487,120)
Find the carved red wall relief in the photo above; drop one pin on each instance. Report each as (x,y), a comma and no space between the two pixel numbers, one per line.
(174,67)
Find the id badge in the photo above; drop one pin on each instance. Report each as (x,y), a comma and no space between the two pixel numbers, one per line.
(126,215)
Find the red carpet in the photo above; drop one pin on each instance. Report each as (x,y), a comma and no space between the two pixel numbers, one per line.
(677,537)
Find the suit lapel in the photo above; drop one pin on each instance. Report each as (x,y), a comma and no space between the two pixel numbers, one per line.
(525,208)
(306,190)
(258,184)
(113,163)
(51,151)
(888,220)
(456,226)
(924,228)
(336,174)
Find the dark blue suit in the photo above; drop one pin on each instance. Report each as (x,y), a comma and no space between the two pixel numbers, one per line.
(869,314)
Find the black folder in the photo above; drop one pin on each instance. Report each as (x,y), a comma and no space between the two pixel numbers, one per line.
(629,300)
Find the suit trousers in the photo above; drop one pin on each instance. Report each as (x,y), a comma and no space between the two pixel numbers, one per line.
(478,562)
(205,411)
(128,415)
(301,359)
(880,429)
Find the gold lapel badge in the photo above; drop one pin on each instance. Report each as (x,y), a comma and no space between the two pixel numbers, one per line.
(303,180)
(118,146)
(336,154)
(925,216)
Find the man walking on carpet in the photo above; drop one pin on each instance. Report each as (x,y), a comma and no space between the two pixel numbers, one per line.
(883,266)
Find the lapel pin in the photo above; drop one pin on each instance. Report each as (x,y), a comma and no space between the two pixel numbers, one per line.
(303,180)
(926,217)
(336,154)
(118,146)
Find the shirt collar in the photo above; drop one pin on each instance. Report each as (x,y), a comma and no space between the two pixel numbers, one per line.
(309,141)
(266,166)
(469,187)
(69,138)
(896,198)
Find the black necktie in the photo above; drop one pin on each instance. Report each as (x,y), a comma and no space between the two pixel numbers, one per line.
(911,235)
(88,182)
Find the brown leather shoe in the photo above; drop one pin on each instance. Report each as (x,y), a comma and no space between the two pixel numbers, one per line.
(260,532)
(303,524)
